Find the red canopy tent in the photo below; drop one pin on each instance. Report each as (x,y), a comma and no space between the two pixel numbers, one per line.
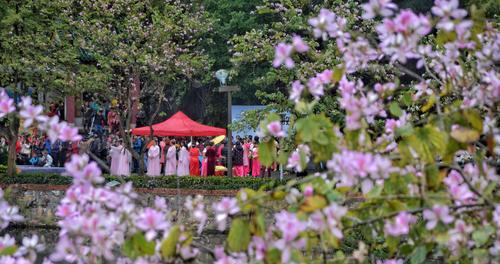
(179,125)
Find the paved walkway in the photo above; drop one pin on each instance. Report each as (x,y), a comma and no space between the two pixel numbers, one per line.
(34,169)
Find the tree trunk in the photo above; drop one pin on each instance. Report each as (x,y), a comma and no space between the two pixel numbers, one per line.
(13,133)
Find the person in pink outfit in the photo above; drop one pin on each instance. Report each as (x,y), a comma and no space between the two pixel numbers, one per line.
(171,159)
(154,168)
(204,163)
(183,164)
(238,160)
(246,159)
(255,159)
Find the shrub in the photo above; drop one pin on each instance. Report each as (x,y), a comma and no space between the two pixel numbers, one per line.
(192,182)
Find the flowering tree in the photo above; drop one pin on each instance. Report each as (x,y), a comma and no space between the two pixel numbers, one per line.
(35,58)
(140,50)
(425,188)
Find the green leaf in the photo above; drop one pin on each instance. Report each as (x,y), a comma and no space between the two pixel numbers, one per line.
(392,243)
(444,36)
(313,203)
(482,235)
(273,256)
(395,109)
(432,176)
(419,255)
(443,238)
(404,131)
(8,251)
(239,236)
(137,246)
(428,142)
(474,118)
(465,135)
(169,245)
(406,99)
(430,103)
(321,139)
(334,196)
(337,74)
(267,153)
(375,191)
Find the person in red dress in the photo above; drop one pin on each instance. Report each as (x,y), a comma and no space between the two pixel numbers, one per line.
(194,162)
(211,159)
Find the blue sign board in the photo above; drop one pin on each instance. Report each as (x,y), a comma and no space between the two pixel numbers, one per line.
(237,114)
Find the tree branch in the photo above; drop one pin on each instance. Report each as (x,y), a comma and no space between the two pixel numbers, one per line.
(469,184)
(414,211)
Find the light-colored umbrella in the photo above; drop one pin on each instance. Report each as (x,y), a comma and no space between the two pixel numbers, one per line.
(220,168)
(218,139)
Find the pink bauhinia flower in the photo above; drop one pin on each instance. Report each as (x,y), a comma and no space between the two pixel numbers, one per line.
(447,10)
(347,87)
(68,133)
(496,215)
(234,258)
(453,179)
(226,207)
(299,45)
(327,24)
(315,87)
(462,194)
(31,246)
(90,174)
(52,127)
(317,221)
(373,8)
(325,76)
(197,209)
(400,36)
(31,113)
(289,225)
(275,130)
(8,213)
(152,221)
(296,91)
(357,54)
(282,56)
(257,248)
(308,191)
(65,210)
(6,106)
(400,225)
(438,213)
(6,241)
(295,161)
(334,214)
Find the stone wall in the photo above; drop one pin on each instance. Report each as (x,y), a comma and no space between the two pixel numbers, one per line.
(39,202)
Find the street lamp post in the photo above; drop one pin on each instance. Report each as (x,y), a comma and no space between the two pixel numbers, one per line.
(222,75)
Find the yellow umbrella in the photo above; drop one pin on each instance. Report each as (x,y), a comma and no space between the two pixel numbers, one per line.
(220,168)
(218,139)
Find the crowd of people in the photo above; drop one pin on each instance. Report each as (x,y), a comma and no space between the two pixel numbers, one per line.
(99,116)
(162,156)
(178,156)
(38,150)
